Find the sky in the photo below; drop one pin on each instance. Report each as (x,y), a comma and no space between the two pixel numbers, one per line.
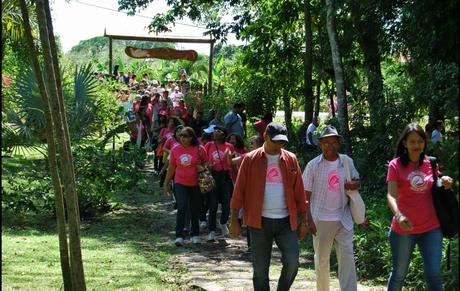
(83,19)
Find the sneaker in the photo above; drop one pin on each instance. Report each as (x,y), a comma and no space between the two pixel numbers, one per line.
(211,236)
(224,229)
(196,240)
(203,225)
(179,242)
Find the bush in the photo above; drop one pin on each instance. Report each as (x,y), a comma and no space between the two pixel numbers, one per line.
(98,174)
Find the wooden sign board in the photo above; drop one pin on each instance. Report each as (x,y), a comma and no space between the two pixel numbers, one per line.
(161,53)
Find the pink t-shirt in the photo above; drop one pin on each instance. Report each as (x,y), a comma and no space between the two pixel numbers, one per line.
(185,160)
(170,143)
(414,196)
(166,132)
(213,156)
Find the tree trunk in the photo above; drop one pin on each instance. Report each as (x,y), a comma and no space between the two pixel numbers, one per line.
(308,64)
(338,72)
(364,21)
(318,96)
(57,186)
(60,124)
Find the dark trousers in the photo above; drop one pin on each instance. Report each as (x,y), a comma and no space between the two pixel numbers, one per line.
(222,193)
(187,197)
(261,246)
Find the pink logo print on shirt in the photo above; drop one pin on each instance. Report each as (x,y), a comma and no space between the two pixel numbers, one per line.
(185,160)
(417,181)
(333,181)
(274,175)
(215,156)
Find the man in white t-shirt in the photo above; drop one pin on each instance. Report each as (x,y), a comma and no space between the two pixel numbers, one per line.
(269,188)
(329,217)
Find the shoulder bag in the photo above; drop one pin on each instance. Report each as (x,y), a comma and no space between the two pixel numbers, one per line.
(446,206)
(445,203)
(205,179)
(357,207)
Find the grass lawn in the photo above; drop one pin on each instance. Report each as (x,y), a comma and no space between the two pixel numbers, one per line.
(121,250)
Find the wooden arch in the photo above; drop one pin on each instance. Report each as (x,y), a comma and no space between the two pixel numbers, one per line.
(164,39)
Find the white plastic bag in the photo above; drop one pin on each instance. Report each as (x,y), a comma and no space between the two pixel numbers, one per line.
(357,207)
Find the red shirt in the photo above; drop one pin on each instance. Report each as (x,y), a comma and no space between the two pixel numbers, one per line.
(185,160)
(260,126)
(414,198)
(250,187)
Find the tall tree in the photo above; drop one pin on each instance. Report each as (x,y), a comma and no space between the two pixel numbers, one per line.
(338,72)
(52,154)
(60,128)
(365,20)
(308,63)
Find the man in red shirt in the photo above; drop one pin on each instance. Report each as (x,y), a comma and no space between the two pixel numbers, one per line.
(269,188)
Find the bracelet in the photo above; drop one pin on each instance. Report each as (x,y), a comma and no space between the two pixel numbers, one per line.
(398,215)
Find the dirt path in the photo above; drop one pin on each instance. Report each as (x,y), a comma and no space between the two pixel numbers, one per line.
(225,264)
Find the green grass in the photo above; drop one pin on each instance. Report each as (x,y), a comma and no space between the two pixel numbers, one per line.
(121,250)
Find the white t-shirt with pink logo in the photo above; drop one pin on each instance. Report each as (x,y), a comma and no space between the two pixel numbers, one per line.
(274,205)
(332,208)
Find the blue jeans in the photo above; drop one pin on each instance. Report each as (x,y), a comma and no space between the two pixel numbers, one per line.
(402,247)
(261,246)
(222,193)
(187,197)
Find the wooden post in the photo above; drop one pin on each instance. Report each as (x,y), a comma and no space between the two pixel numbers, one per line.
(110,56)
(210,67)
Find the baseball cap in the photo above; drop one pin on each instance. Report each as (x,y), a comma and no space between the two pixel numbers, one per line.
(210,129)
(276,131)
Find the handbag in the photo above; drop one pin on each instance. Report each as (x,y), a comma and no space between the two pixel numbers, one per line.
(357,206)
(445,204)
(206,181)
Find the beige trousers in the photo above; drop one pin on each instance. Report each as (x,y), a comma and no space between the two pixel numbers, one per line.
(327,234)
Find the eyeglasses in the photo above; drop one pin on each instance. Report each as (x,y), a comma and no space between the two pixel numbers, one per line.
(185,135)
(218,130)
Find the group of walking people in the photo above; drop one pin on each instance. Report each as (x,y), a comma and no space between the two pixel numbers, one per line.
(278,202)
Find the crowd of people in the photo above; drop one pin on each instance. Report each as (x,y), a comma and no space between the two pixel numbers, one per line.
(260,185)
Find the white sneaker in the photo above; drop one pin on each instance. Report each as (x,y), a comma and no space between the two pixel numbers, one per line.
(196,240)
(212,236)
(203,225)
(224,229)
(179,242)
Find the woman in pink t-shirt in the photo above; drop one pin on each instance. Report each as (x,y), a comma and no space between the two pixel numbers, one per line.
(184,164)
(217,152)
(414,222)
